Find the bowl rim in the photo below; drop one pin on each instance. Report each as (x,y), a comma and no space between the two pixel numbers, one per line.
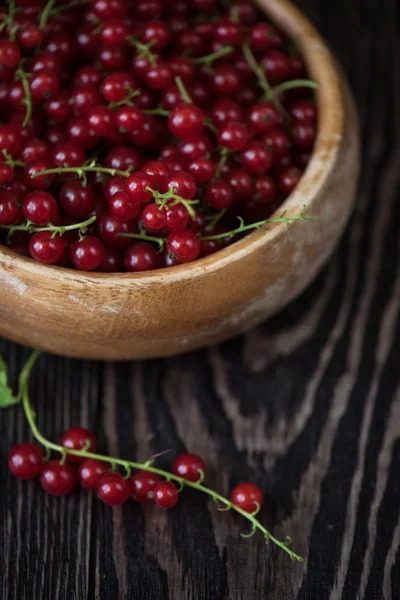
(331,122)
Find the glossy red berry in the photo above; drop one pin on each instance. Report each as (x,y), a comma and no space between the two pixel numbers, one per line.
(40,208)
(202,169)
(25,461)
(33,177)
(225,111)
(137,186)
(122,206)
(90,471)
(113,489)
(165,494)
(117,86)
(304,111)
(247,496)
(189,466)
(6,173)
(177,218)
(10,213)
(264,36)
(77,199)
(141,257)
(45,248)
(57,479)
(219,195)
(289,178)
(110,229)
(43,85)
(233,136)
(142,484)
(186,121)
(276,65)
(303,135)
(154,217)
(10,140)
(226,80)
(263,117)
(183,184)
(114,33)
(185,245)
(157,34)
(68,154)
(87,254)
(101,120)
(78,438)
(256,158)
(10,54)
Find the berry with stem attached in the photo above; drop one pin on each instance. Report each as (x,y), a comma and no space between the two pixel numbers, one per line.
(90,472)
(165,494)
(77,438)
(57,479)
(25,461)
(247,496)
(142,484)
(189,466)
(113,489)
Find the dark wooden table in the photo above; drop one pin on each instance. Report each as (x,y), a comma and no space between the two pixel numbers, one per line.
(307,405)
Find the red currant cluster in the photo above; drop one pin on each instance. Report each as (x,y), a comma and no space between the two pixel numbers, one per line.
(58,478)
(159,122)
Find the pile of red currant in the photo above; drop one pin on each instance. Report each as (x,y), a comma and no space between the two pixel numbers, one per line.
(134,135)
(26,461)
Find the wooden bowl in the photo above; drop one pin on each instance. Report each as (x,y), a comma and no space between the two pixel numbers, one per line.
(174,310)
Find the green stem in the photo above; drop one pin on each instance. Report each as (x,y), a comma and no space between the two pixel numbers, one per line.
(72,4)
(126,101)
(224,157)
(128,465)
(54,228)
(45,14)
(184,93)
(214,220)
(144,50)
(84,169)
(157,112)
(12,28)
(294,83)
(208,123)
(261,77)
(143,236)
(24,77)
(206,60)
(242,227)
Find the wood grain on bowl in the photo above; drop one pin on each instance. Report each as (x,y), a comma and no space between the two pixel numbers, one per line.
(128,316)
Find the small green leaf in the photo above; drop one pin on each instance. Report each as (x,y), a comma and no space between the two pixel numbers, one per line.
(7,397)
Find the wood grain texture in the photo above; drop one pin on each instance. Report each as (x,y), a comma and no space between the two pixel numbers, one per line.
(307,405)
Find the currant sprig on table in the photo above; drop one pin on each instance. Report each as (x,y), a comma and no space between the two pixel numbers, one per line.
(169,129)
(97,472)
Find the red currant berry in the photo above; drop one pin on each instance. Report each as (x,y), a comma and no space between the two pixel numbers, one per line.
(192,149)
(108,9)
(154,217)
(36,150)
(40,208)
(165,494)
(142,485)
(87,254)
(233,136)
(10,54)
(177,218)
(43,85)
(141,257)
(219,195)
(202,169)
(114,33)
(247,496)
(304,111)
(88,75)
(57,479)
(6,173)
(303,135)
(117,86)
(189,466)
(123,207)
(112,262)
(264,36)
(123,158)
(101,120)
(110,229)
(157,34)
(77,199)
(32,174)
(263,117)
(90,471)
(68,154)
(277,141)
(256,158)
(79,132)
(186,121)
(10,213)
(84,97)
(157,170)
(136,187)
(25,461)
(78,438)
(225,111)
(276,66)
(183,68)
(30,36)
(241,183)
(226,80)
(185,245)
(10,140)
(159,77)
(45,248)
(113,489)
(289,178)
(183,184)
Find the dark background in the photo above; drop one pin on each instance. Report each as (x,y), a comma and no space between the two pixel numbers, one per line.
(307,405)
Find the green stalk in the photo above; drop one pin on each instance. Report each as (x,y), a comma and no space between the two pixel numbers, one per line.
(129,465)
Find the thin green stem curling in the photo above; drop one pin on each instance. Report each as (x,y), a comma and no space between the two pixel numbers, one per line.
(55,229)
(129,465)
